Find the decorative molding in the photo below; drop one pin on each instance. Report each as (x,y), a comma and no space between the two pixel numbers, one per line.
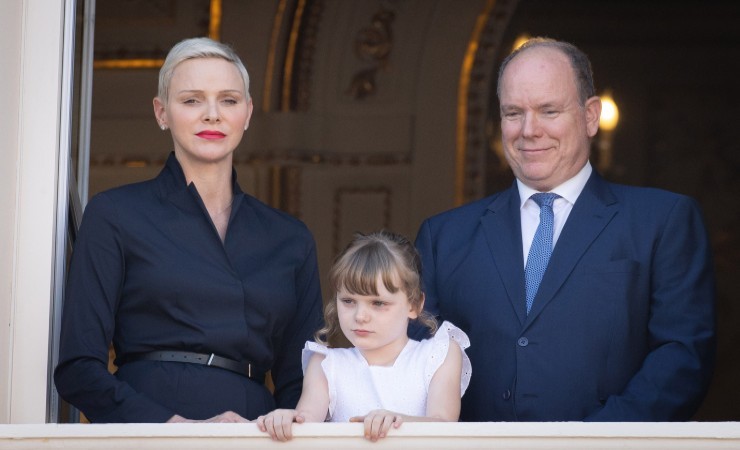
(285,185)
(157,14)
(214,20)
(304,67)
(373,44)
(477,75)
(277,26)
(290,52)
(299,57)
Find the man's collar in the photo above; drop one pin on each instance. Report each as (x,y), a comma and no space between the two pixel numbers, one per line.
(569,190)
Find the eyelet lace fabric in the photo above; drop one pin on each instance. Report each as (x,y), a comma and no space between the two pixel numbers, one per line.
(355,387)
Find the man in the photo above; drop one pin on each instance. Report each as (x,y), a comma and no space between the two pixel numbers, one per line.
(618,325)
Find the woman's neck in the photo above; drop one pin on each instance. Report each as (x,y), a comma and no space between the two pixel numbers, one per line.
(213,181)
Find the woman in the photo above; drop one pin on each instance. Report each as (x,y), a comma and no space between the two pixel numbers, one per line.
(200,287)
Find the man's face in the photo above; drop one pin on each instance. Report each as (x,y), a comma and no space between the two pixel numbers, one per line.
(546,131)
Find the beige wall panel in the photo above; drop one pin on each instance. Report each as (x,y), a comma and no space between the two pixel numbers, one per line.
(337,201)
(345,134)
(433,175)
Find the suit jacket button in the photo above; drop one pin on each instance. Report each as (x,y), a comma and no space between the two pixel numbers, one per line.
(506,395)
(523,342)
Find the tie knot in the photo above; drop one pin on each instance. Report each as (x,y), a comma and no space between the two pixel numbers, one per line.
(544,199)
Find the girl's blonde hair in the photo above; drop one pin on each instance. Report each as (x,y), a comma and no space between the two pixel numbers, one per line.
(382,255)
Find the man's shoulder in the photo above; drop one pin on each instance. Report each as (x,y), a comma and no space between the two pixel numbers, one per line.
(473,210)
(649,204)
(644,195)
(458,224)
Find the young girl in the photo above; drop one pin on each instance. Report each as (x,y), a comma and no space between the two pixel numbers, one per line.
(385,378)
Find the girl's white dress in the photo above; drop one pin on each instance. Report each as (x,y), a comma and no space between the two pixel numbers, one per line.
(355,388)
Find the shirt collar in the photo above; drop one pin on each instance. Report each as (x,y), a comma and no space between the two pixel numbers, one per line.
(570,190)
(175,177)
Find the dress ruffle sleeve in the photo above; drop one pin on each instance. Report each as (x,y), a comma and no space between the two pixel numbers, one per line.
(447,333)
(309,349)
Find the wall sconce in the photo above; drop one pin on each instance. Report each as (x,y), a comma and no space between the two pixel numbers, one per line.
(609,112)
(607,124)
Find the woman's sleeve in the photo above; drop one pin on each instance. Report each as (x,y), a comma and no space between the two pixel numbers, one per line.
(287,372)
(94,283)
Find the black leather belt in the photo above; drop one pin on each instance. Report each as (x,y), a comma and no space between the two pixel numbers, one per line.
(242,368)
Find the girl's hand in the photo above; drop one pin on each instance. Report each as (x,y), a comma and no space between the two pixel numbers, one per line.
(378,422)
(279,423)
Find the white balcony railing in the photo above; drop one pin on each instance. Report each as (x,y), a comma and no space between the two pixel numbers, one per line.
(494,435)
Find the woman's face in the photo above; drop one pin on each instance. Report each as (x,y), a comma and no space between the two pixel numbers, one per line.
(207,110)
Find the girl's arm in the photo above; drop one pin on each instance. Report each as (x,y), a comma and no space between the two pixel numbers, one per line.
(443,400)
(312,406)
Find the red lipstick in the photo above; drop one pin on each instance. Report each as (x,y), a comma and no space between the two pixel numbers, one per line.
(211,134)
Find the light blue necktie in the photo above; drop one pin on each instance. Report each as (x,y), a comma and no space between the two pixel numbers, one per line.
(539,253)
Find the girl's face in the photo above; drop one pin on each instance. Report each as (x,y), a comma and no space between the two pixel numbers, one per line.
(207,110)
(376,325)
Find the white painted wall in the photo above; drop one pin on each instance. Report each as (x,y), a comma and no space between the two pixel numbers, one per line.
(30,75)
(10,54)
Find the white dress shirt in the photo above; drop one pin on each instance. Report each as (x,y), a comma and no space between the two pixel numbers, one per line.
(561,208)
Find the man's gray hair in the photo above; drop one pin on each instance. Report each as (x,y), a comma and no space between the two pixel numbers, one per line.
(578,61)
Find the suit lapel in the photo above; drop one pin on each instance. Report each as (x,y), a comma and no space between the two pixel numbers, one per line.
(594,209)
(502,227)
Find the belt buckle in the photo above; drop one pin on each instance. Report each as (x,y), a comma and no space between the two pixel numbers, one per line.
(210,359)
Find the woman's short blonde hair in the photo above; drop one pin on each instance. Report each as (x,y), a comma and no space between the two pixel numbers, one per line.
(195,48)
(382,255)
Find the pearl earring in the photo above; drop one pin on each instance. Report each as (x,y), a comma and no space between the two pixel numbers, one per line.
(163,127)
